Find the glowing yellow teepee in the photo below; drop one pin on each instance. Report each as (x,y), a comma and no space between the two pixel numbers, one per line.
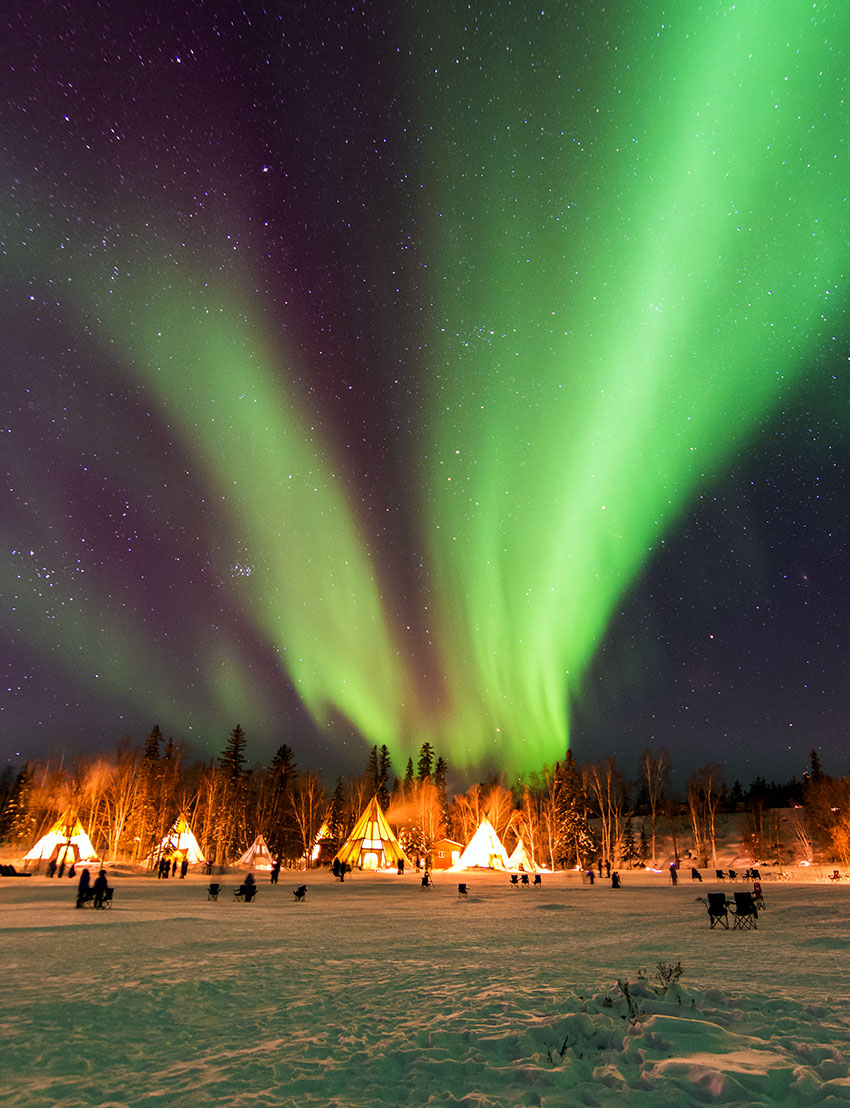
(66,841)
(372,844)
(485,850)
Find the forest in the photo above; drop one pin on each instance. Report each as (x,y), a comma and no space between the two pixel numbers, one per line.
(568,815)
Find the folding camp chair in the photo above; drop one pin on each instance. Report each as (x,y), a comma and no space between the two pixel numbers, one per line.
(107,897)
(514,880)
(300,892)
(733,875)
(758,895)
(213,889)
(524,880)
(719,874)
(462,890)
(245,892)
(426,881)
(538,881)
(745,912)
(718,910)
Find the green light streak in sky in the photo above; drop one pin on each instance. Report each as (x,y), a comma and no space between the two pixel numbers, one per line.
(636,261)
(303,568)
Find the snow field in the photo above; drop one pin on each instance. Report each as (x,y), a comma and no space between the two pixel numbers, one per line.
(375,992)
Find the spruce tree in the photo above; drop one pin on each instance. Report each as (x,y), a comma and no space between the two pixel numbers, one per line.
(426,762)
(576,845)
(232,758)
(384,769)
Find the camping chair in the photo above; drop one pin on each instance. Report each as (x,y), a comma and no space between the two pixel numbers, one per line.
(695,874)
(719,874)
(108,894)
(462,891)
(213,890)
(245,892)
(835,875)
(733,875)
(718,910)
(538,881)
(745,912)
(514,880)
(524,880)
(300,892)
(426,881)
(758,895)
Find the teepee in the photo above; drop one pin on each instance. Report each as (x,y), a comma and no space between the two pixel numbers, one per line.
(66,841)
(372,844)
(178,841)
(257,856)
(521,859)
(485,850)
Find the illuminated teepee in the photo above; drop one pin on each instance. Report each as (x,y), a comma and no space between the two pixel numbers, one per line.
(178,844)
(372,844)
(257,856)
(485,850)
(522,860)
(66,841)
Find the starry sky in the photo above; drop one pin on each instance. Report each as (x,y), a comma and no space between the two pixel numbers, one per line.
(391,373)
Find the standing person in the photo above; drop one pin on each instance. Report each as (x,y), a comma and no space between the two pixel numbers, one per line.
(83,888)
(615,880)
(674,875)
(184,867)
(275,871)
(51,867)
(99,888)
(174,867)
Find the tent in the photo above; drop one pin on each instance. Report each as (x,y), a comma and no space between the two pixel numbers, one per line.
(257,856)
(372,844)
(66,841)
(484,851)
(521,859)
(178,841)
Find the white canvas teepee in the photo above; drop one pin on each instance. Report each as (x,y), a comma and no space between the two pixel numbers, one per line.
(372,844)
(66,841)
(521,859)
(485,850)
(179,840)
(257,856)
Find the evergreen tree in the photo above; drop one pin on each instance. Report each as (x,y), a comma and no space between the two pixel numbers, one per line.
(629,847)
(337,815)
(19,819)
(816,770)
(426,762)
(283,836)
(384,770)
(372,772)
(440,771)
(408,775)
(575,846)
(282,766)
(232,758)
(643,848)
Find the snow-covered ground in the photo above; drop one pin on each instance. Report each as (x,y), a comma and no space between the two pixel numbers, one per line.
(375,993)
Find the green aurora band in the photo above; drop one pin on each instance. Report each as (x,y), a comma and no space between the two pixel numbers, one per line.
(637,262)
(634,253)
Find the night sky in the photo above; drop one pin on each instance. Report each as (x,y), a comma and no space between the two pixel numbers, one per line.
(382,373)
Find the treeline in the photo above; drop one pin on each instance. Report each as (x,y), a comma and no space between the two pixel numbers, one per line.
(567,814)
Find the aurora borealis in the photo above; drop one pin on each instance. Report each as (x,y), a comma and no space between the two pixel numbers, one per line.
(390,374)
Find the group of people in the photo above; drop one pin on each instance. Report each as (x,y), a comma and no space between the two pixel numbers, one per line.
(167,867)
(613,876)
(93,891)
